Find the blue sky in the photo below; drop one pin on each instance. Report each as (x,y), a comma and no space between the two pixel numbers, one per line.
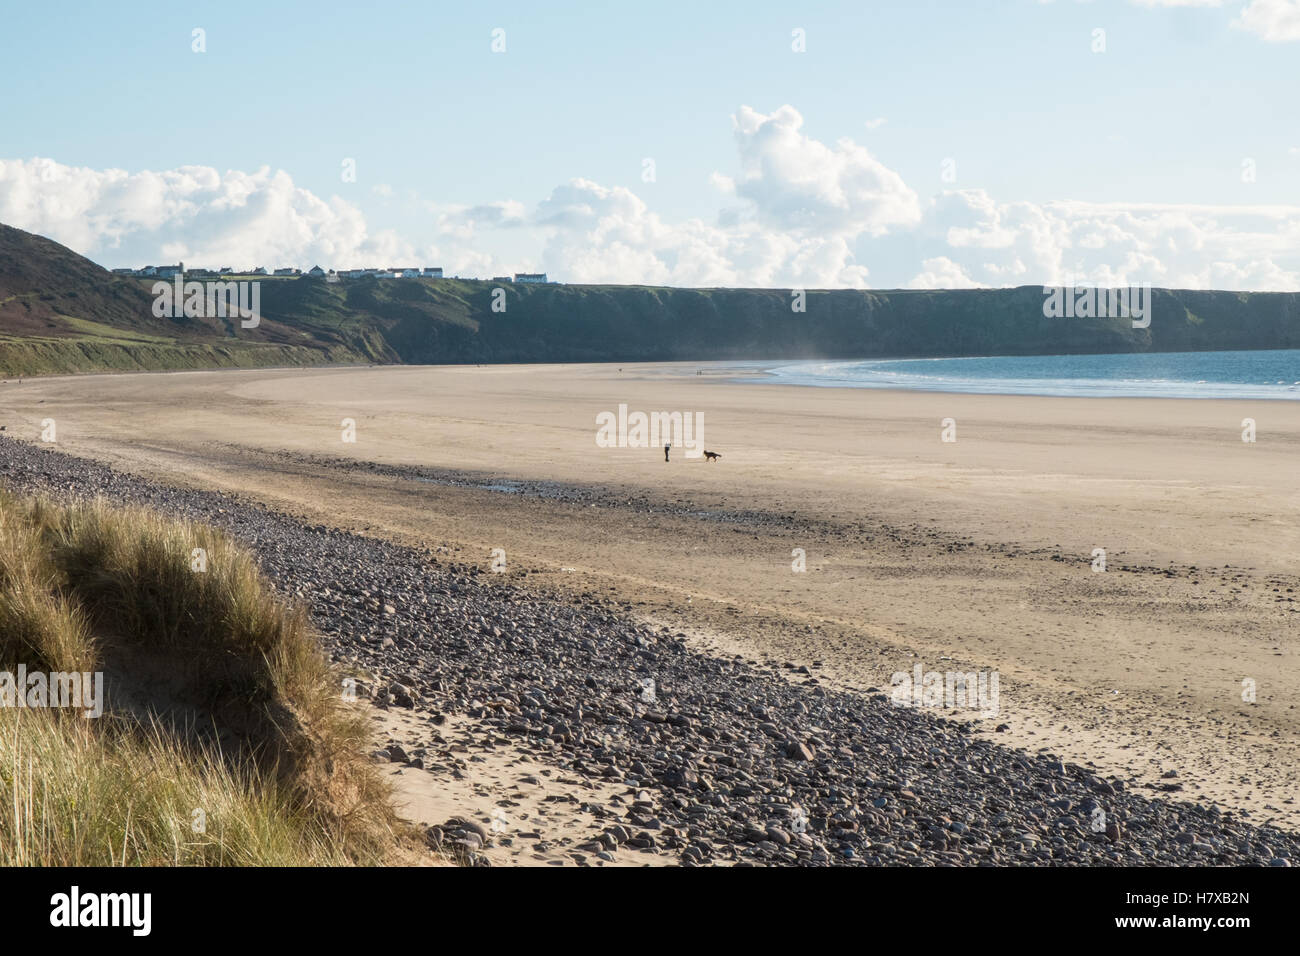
(921,143)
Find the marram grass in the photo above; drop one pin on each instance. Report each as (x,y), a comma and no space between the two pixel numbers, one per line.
(250,757)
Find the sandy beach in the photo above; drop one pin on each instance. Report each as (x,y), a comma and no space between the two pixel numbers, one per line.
(976,554)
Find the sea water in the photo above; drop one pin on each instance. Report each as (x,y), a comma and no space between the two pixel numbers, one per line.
(1272,374)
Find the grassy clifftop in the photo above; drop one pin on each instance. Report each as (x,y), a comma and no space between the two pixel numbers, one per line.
(59,312)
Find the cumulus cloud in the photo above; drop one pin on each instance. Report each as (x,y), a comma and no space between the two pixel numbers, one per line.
(1065,242)
(799,185)
(1277,21)
(596,233)
(942,273)
(192,213)
(507,212)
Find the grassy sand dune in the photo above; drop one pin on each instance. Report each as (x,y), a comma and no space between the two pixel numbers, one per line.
(224,741)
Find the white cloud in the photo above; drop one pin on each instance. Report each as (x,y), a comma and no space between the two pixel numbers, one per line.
(461,224)
(942,273)
(1186,246)
(193,213)
(596,233)
(1277,21)
(799,185)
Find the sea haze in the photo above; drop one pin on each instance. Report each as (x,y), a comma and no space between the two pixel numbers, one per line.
(1273,374)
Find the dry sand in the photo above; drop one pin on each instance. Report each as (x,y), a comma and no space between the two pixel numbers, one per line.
(958,556)
(533,814)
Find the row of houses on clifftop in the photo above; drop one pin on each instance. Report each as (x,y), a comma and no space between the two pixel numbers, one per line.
(315,272)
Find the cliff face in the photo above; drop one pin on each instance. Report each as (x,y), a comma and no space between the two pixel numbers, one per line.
(631,323)
(61,312)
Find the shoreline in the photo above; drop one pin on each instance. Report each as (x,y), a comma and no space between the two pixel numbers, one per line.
(736,370)
(806,374)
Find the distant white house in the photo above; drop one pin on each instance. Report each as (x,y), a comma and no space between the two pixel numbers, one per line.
(166,272)
(259,271)
(316,272)
(539,277)
(431,273)
(408,273)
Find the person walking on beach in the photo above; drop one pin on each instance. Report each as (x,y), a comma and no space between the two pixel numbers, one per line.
(666,447)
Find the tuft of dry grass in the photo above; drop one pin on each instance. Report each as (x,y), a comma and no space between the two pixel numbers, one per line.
(236,748)
(39,626)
